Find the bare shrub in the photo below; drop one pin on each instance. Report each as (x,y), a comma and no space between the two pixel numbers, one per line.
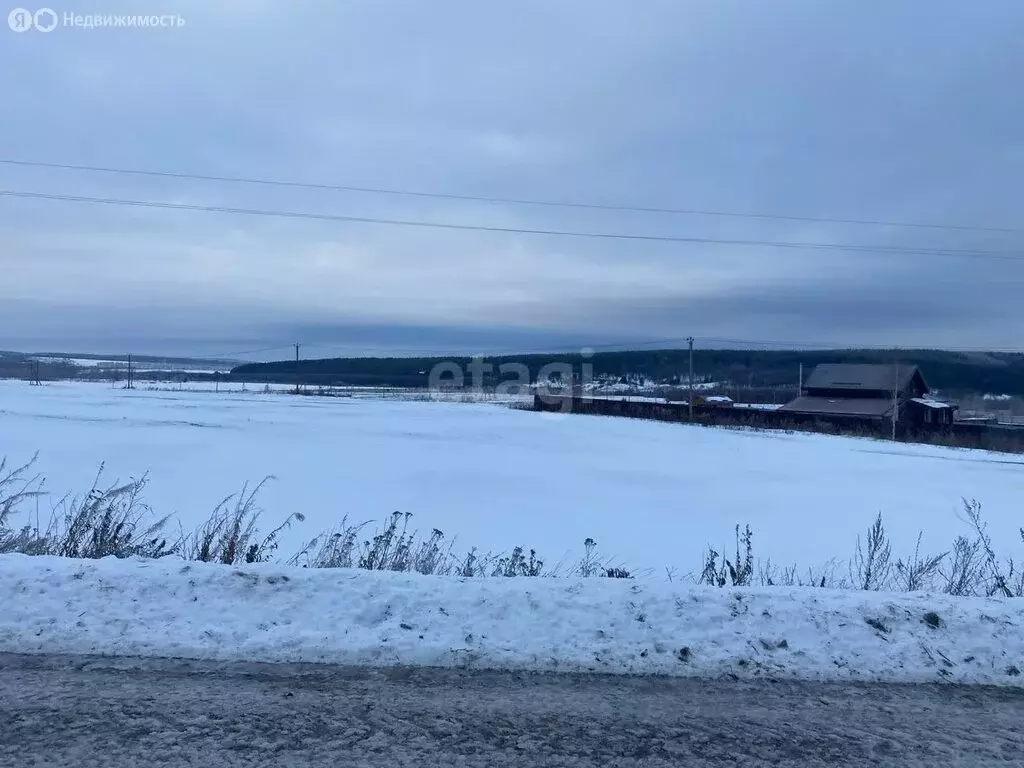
(996,580)
(711,574)
(965,572)
(474,564)
(1017,580)
(742,573)
(25,541)
(471,566)
(429,556)
(389,549)
(771,575)
(517,564)
(17,486)
(392,549)
(717,570)
(335,548)
(916,572)
(590,564)
(824,577)
(596,565)
(973,568)
(231,535)
(111,521)
(871,566)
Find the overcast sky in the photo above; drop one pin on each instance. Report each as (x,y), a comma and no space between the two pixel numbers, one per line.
(896,111)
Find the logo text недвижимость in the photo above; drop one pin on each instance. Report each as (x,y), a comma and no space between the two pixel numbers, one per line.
(47,20)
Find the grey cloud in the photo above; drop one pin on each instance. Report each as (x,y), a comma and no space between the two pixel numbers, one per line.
(844,109)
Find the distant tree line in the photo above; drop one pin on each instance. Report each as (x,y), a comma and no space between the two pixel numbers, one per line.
(952,372)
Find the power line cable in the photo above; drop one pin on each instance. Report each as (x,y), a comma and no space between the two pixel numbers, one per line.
(227,356)
(511,200)
(857,248)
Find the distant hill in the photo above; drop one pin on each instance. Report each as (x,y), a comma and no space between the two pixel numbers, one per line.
(951,372)
(151,360)
(66,365)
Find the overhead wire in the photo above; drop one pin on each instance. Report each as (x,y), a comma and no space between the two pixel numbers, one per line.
(510,200)
(859,248)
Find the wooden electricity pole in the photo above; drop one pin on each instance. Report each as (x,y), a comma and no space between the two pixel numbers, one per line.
(297,368)
(895,399)
(689,341)
(129,372)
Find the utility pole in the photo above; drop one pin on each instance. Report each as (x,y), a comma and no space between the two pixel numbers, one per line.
(297,368)
(129,371)
(800,389)
(689,341)
(895,399)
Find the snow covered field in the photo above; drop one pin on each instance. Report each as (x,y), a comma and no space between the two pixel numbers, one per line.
(168,608)
(651,494)
(137,366)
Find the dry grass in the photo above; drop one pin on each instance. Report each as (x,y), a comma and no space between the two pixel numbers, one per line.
(231,533)
(107,521)
(114,520)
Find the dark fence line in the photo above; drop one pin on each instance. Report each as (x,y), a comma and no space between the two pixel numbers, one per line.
(984,436)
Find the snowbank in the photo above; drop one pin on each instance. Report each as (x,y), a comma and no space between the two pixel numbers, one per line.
(170,608)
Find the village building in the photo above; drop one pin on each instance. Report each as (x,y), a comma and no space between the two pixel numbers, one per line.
(869,394)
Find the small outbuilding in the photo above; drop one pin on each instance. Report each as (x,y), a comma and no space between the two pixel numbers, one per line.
(714,401)
(924,410)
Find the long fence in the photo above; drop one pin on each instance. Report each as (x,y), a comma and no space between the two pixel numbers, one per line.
(970,435)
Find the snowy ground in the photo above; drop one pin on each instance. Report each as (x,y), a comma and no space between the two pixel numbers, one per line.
(651,494)
(168,608)
(176,384)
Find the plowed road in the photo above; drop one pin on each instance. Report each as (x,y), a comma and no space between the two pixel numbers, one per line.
(81,712)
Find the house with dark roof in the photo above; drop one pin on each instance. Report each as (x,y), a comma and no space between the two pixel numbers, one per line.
(845,393)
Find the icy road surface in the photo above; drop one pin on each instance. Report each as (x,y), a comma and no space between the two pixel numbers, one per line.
(77,712)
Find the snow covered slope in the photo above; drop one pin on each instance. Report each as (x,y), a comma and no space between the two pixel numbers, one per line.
(168,608)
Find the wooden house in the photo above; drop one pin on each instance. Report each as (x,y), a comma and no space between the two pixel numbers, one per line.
(869,394)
